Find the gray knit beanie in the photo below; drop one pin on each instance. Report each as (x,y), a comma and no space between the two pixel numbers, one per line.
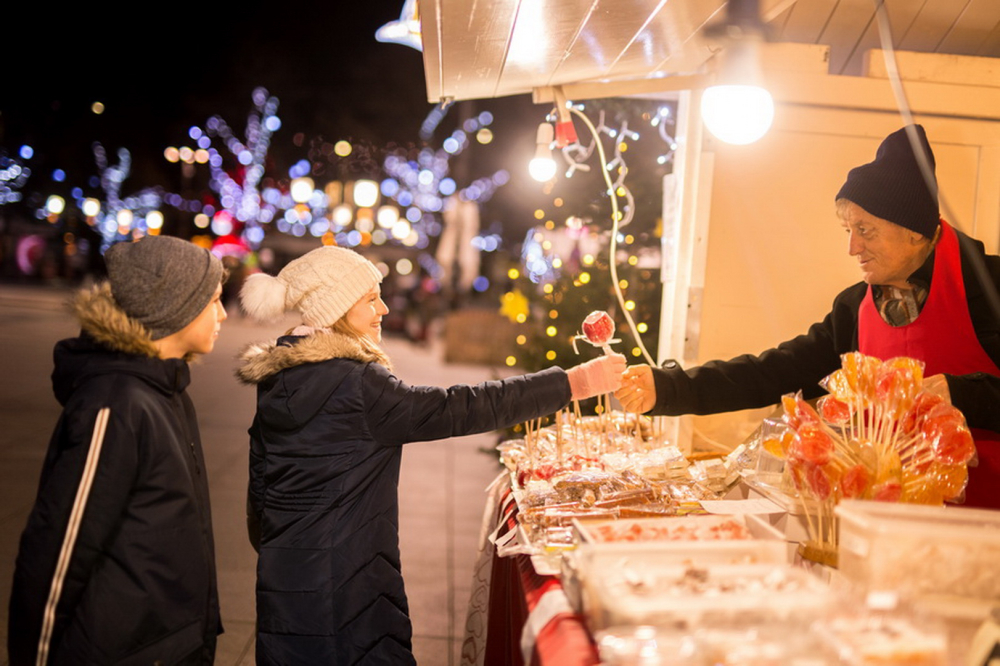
(162,282)
(893,188)
(322,285)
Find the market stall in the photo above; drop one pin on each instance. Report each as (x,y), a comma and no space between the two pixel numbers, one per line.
(603,544)
(746,263)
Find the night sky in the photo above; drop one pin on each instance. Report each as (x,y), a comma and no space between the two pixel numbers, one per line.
(159,69)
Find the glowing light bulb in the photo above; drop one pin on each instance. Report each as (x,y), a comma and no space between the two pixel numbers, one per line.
(737,114)
(738,110)
(542,167)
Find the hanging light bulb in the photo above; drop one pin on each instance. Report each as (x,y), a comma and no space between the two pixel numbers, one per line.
(543,168)
(738,109)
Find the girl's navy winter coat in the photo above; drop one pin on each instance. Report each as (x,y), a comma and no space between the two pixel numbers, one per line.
(324,467)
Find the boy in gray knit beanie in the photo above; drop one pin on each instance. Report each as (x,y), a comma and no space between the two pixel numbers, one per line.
(118,550)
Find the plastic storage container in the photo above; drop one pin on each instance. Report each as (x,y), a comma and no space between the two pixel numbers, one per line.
(676,529)
(942,557)
(647,591)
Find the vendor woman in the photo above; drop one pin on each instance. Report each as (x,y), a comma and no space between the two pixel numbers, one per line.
(926,293)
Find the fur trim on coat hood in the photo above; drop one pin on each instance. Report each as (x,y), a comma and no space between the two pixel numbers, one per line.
(103,319)
(262,360)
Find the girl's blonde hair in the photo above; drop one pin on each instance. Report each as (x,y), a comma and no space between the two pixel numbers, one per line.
(370,346)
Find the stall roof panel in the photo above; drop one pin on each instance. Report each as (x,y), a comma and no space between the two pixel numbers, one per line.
(476,49)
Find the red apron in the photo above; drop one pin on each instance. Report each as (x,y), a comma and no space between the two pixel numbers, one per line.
(943,338)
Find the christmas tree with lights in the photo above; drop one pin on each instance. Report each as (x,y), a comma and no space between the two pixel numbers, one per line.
(566,272)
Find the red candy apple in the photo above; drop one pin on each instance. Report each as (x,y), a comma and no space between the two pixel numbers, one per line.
(598,328)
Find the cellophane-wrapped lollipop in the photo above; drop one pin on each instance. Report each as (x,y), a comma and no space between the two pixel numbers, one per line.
(877,435)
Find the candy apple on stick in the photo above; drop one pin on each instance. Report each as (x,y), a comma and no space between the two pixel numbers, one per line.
(599,329)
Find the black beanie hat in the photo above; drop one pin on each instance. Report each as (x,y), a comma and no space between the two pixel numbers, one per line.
(893,188)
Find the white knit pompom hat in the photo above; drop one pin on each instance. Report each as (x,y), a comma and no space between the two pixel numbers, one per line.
(322,285)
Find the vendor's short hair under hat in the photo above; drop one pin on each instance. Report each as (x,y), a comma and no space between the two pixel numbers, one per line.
(892,186)
(322,285)
(162,282)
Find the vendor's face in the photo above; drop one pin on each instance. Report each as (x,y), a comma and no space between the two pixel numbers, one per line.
(365,316)
(887,253)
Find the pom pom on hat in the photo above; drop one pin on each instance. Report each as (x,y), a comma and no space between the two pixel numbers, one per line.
(322,285)
(892,186)
(263,297)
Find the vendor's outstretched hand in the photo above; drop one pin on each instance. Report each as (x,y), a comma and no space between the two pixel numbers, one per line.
(600,375)
(638,392)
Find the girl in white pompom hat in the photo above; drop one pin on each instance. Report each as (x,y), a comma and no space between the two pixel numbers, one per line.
(325,448)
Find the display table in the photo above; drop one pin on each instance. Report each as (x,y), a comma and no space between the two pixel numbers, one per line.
(522,618)
(518,617)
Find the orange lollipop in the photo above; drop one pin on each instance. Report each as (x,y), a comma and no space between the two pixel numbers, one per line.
(922,404)
(950,479)
(912,371)
(819,482)
(838,385)
(888,491)
(852,365)
(855,481)
(812,444)
(833,410)
(954,446)
(777,445)
(890,469)
(918,489)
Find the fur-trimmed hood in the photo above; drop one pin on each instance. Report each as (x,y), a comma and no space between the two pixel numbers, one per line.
(104,320)
(111,343)
(262,360)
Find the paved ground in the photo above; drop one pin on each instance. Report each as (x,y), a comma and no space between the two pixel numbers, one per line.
(441,486)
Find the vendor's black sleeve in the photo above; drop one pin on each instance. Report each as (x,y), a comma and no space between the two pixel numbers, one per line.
(751,381)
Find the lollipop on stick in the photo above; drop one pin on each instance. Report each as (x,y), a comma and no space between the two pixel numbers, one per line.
(598,330)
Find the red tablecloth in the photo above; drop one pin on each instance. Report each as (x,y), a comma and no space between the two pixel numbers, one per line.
(529,622)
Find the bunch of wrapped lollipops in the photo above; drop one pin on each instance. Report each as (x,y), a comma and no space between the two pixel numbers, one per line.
(877,435)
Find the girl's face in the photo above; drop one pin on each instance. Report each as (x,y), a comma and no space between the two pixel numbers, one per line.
(365,316)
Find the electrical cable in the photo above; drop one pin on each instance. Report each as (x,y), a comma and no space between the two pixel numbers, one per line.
(612,261)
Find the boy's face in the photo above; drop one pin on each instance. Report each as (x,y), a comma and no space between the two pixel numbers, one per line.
(200,335)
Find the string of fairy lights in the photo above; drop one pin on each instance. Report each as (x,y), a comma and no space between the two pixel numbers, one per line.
(546,245)
(405,206)
(14,173)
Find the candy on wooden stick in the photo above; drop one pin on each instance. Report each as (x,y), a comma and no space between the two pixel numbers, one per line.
(599,330)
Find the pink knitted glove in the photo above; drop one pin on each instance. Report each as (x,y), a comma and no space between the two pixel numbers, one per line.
(600,375)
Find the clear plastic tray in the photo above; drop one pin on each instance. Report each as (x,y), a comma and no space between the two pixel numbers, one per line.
(944,556)
(647,591)
(681,530)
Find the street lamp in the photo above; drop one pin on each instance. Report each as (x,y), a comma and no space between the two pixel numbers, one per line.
(54,206)
(365,193)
